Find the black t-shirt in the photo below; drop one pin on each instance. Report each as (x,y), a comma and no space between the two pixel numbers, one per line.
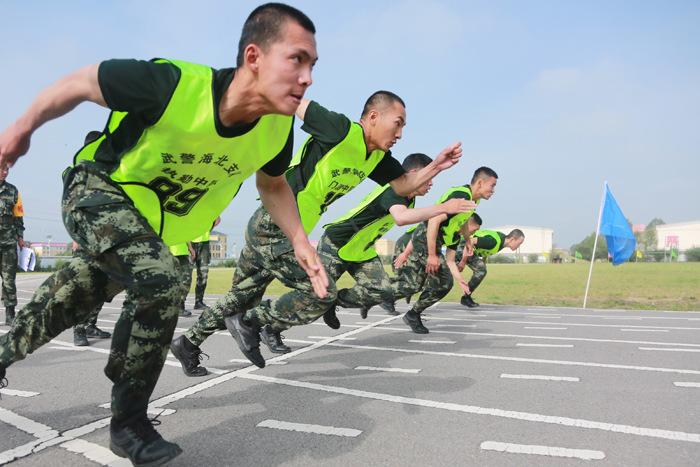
(342,232)
(327,129)
(144,89)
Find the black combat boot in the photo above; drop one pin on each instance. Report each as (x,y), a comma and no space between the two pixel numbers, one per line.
(330,318)
(468,301)
(413,320)
(94,331)
(247,337)
(189,356)
(141,443)
(80,338)
(273,340)
(364,311)
(389,307)
(200,305)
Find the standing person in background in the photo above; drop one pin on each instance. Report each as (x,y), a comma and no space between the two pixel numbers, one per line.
(202,257)
(11,236)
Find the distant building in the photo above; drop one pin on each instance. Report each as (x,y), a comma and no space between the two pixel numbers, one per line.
(51,248)
(385,246)
(538,241)
(682,236)
(218,243)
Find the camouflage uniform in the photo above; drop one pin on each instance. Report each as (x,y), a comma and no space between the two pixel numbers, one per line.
(476,262)
(90,322)
(11,230)
(185,268)
(202,257)
(412,278)
(119,250)
(372,284)
(267,255)
(400,246)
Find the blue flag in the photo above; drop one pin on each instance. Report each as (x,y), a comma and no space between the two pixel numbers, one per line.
(613,224)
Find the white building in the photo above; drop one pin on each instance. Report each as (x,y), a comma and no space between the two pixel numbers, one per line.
(538,241)
(683,236)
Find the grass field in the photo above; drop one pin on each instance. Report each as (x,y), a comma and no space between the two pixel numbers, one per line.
(652,286)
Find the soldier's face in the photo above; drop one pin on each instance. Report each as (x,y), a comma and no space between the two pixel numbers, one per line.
(284,68)
(386,125)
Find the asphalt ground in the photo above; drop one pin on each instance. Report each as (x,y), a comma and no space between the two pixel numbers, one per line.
(495,385)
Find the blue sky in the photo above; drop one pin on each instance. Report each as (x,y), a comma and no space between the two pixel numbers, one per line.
(555,96)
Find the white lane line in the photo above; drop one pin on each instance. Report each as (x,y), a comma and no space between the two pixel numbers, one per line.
(521,359)
(504,321)
(550,338)
(326,337)
(455,325)
(542,377)
(460,315)
(567,346)
(668,350)
(354,326)
(551,451)
(622,318)
(306,428)
(546,317)
(644,330)
(494,412)
(683,384)
(149,411)
(14,392)
(247,362)
(543,327)
(425,341)
(95,453)
(390,370)
(36,429)
(572,315)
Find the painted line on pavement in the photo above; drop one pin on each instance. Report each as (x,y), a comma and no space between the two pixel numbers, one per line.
(390,370)
(455,325)
(542,377)
(582,339)
(567,346)
(683,384)
(326,337)
(668,349)
(16,393)
(494,412)
(644,330)
(425,341)
(306,428)
(562,324)
(521,359)
(95,453)
(543,327)
(550,451)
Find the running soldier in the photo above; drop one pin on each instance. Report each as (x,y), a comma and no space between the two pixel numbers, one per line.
(11,236)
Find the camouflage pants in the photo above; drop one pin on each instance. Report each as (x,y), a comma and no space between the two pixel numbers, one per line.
(8,272)
(478,266)
(90,322)
(412,278)
(202,257)
(372,284)
(185,268)
(119,251)
(267,255)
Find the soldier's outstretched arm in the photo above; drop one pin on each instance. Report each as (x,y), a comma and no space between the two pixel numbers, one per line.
(410,182)
(450,256)
(279,201)
(403,215)
(53,102)
(433,262)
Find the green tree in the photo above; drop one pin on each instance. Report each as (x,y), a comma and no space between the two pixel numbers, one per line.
(585,247)
(649,238)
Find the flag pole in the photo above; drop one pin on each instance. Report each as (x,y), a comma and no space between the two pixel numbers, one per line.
(595,243)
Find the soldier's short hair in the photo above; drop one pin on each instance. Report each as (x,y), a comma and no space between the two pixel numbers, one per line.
(416,160)
(380,100)
(483,172)
(516,233)
(264,25)
(476,219)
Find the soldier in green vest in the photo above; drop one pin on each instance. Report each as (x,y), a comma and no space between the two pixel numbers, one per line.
(11,237)
(484,244)
(201,259)
(338,156)
(423,267)
(178,144)
(348,243)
